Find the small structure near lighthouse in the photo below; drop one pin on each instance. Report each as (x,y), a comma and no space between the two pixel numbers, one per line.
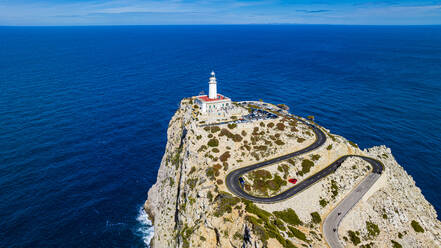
(214,103)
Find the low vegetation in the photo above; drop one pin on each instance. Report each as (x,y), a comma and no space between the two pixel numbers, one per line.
(213,142)
(395,244)
(263,181)
(323,202)
(334,188)
(297,233)
(353,144)
(280,126)
(232,126)
(315,157)
(266,225)
(354,237)
(225,156)
(230,135)
(372,229)
(289,216)
(284,168)
(316,219)
(416,226)
(225,203)
(306,167)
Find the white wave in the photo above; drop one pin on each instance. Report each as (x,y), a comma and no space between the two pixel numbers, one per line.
(146,229)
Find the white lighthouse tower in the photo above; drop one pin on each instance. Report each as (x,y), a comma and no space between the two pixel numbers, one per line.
(212,93)
(213,103)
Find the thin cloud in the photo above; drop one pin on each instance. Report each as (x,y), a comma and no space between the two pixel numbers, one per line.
(313,11)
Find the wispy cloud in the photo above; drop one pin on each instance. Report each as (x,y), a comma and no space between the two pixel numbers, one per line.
(97,12)
(313,11)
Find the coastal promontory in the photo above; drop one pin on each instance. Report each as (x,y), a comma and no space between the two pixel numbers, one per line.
(255,175)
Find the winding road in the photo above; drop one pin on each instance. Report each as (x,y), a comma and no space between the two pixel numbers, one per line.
(332,221)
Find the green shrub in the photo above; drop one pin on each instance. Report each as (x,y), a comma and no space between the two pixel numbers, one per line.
(306,167)
(172,182)
(210,196)
(261,148)
(329,147)
(395,244)
(316,217)
(300,140)
(334,188)
(283,168)
(353,144)
(215,129)
(354,237)
(315,157)
(372,229)
(280,126)
(192,182)
(232,125)
(258,229)
(289,216)
(213,142)
(297,233)
(237,236)
(234,137)
(270,125)
(215,150)
(255,155)
(323,203)
(225,203)
(202,148)
(279,224)
(253,209)
(279,142)
(416,226)
(209,172)
(276,183)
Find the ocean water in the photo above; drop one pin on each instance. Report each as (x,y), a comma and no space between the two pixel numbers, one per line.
(84,110)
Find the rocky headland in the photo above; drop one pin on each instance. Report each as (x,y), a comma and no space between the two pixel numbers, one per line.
(191,206)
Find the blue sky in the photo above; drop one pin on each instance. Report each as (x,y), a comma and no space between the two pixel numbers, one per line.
(154,12)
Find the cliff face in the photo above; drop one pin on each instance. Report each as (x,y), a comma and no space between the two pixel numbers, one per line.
(191,207)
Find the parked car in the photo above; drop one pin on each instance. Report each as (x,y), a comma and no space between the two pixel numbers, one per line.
(241,181)
(292,180)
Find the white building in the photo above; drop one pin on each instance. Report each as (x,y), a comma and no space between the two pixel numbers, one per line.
(214,103)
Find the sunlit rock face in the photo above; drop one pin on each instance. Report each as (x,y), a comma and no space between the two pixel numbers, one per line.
(191,206)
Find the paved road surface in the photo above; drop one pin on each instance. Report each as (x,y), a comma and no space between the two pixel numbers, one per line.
(333,220)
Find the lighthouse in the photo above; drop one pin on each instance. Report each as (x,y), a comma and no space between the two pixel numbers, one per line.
(212,90)
(214,103)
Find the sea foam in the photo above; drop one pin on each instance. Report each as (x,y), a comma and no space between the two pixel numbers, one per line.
(146,229)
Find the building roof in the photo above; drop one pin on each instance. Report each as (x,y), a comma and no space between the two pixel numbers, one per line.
(205,98)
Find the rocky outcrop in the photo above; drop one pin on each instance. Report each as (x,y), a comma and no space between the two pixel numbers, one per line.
(190,206)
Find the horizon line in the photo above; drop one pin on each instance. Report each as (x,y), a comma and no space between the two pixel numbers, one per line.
(229,24)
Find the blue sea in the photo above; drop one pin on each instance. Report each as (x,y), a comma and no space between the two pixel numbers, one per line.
(84,110)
